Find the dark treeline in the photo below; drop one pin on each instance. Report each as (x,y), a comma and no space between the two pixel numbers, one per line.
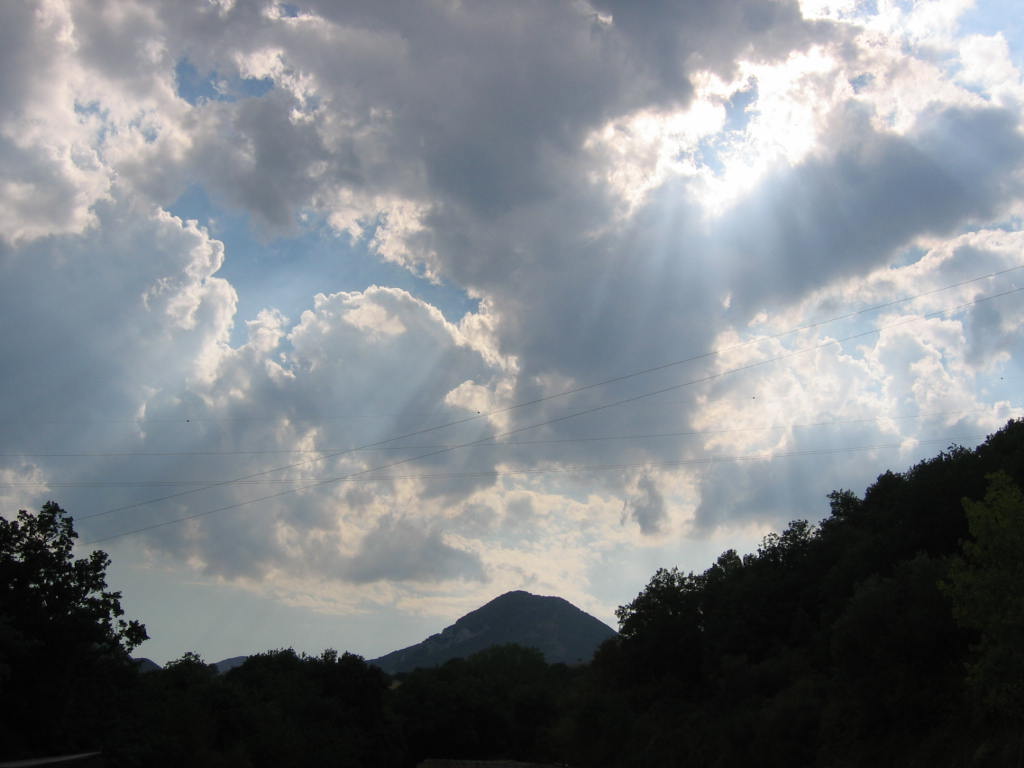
(891,633)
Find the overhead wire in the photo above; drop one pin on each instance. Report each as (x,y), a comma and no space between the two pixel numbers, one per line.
(567,392)
(508,443)
(564,469)
(571,391)
(592,409)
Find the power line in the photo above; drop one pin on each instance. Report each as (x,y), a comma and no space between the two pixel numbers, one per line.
(664,463)
(705,460)
(582,388)
(507,444)
(572,391)
(570,468)
(593,409)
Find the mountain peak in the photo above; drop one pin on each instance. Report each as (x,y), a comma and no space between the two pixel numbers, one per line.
(552,625)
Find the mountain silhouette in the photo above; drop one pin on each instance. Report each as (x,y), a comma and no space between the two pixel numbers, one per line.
(555,627)
(145,665)
(225,665)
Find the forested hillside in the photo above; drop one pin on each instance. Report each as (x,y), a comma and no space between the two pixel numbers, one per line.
(890,633)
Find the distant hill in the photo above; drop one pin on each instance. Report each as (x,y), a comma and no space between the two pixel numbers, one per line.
(225,665)
(148,665)
(145,665)
(556,627)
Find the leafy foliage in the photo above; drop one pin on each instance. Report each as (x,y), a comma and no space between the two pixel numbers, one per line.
(987,585)
(833,644)
(277,708)
(502,702)
(63,644)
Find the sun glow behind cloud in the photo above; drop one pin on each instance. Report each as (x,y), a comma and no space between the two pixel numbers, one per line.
(769,117)
(723,156)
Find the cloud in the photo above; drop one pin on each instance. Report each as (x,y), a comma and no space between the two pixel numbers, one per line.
(618,185)
(95,334)
(400,550)
(293,404)
(673,38)
(362,107)
(805,227)
(647,507)
(52,173)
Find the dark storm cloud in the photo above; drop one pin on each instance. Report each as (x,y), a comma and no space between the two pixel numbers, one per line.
(272,166)
(672,36)
(993,331)
(480,106)
(18,48)
(647,506)
(403,550)
(847,212)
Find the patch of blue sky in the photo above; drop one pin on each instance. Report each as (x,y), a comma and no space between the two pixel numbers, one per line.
(908,256)
(868,7)
(862,81)
(90,110)
(864,9)
(707,155)
(989,17)
(1012,223)
(1006,383)
(737,109)
(148,130)
(285,273)
(196,87)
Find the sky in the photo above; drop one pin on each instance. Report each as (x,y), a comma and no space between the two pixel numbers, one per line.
(332,321)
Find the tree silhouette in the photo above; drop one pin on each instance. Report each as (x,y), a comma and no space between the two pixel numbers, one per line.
(64,647)
(986,585)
